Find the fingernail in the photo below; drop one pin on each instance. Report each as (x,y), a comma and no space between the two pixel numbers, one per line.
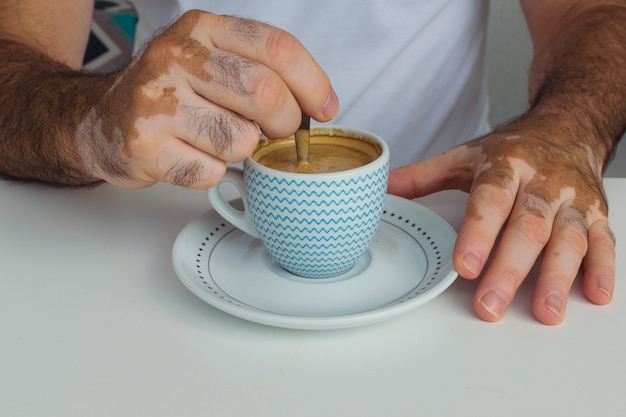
(605,288)
(331,107)
(472,263)
(554,304)
(493,303)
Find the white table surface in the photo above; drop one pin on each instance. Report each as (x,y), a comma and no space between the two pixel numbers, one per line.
(94,322)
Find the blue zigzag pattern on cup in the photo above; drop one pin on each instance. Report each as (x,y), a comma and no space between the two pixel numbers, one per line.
(331,242)
(262,197)
(307,234)
(332,265)
(324,193)
(328,188)
(314,227)
(321,217)
(314,250)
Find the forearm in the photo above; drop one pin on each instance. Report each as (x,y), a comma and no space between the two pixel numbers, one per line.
(43,103)
(577,77)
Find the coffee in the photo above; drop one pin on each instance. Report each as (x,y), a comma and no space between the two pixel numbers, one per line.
(328,153)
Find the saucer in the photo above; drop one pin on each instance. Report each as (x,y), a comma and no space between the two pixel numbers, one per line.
(408,263)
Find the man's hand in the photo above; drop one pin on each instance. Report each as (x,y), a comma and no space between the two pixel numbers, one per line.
(537,185)
(195,98)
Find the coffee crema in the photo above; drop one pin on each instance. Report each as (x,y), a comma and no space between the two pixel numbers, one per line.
(327,153)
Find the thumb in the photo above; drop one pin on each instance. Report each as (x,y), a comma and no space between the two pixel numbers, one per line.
(442,172)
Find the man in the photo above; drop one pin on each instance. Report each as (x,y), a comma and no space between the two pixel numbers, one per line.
(197,94)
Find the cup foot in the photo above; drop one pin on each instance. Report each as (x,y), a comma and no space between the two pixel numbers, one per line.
(361,265)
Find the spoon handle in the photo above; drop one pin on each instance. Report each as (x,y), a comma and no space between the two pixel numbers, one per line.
(303,136)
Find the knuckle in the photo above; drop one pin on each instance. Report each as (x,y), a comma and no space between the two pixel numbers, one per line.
(496,173)
(494,201)
(214,127)
(191,17)
(604,239)
(185,170)
(184,173)
(573,230)
(224,134)
(245,140)
(560,281)
(509,279)
(161,51)
(198,174)
(231,71)
(212,176)
(534,228)
(245,29)
(195,174)
(537,205)
(234,138)
(280,49)
(269,90)
(177,43)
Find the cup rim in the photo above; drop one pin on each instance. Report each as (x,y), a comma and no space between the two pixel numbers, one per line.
(382,159)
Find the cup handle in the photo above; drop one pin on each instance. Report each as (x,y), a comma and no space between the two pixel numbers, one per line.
(240,219)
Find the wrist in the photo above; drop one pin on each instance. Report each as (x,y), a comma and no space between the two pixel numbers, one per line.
(43,103)
(574,126)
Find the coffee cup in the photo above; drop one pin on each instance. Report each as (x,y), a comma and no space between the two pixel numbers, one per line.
(315,219)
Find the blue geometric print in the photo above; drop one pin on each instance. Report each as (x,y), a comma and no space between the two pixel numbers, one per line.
(316,228)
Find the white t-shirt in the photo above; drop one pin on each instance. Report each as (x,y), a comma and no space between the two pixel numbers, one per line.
(411,71)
